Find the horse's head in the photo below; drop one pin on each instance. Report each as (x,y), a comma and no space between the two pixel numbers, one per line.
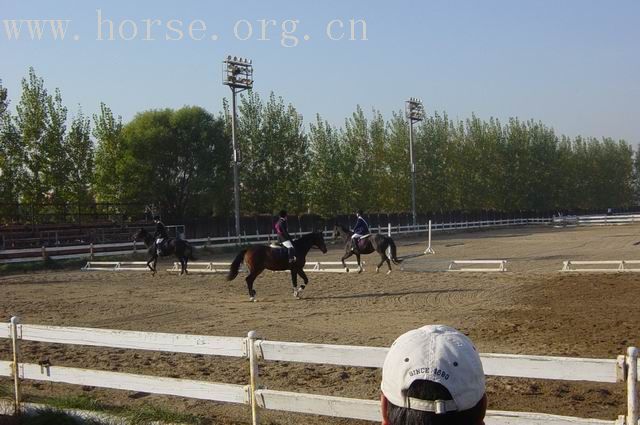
(318,241)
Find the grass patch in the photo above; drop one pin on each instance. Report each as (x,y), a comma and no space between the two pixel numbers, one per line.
(148,414)
(5,392)
(81,402)
(142,415)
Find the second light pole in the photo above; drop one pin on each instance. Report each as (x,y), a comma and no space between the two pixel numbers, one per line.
(415,112)
(237,73)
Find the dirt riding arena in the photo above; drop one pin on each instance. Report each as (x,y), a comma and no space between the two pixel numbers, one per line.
(530,309)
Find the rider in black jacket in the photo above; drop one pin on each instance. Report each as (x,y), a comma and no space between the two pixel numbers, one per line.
(160,235)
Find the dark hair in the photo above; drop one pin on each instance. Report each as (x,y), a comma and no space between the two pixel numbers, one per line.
(156,217)
(359,212)
(283,213)
(428,390)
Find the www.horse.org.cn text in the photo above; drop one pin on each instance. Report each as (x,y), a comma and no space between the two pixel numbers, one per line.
(287,32)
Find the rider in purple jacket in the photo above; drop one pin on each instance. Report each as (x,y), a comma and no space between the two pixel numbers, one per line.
(282,230)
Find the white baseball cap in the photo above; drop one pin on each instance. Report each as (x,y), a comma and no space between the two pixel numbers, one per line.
(439,354)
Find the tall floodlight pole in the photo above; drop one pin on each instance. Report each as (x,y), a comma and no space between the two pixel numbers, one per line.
(415,112)
(237,73)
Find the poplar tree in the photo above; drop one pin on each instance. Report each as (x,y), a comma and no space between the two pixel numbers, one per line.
(107,178)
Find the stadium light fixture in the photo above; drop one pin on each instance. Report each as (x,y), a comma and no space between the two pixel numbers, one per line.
(414,111)
(237,73)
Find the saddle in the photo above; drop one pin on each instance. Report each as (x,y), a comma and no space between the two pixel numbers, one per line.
(362,242)
(279,250)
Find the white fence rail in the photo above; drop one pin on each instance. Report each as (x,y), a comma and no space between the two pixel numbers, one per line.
(595,220)
(214,267)
(90,251)
(98,250)
(624,368)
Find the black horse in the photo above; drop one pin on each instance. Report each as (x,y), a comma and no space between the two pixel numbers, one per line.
(178,247)
(373,243)
(261,257)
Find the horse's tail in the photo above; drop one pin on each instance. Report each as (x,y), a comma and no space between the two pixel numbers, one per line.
(235,266)
(394,258)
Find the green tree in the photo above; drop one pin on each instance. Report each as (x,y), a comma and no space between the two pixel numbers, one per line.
(11,159)
(175,159)
(325,175)
(31,123)
(274,161)
(358,155)
(79,159)
(397,197)
(56,161)
(107,178)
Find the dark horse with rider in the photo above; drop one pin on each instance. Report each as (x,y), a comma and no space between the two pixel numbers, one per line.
(160,245)
(360,241)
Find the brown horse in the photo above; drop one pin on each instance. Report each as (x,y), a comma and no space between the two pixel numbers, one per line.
(259,258)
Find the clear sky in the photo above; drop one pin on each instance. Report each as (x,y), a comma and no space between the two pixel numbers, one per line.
(574,64)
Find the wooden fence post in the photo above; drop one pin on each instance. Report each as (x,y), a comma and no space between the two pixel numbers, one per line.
(252,337)
(91,251)
(44,253)
(632,386)
(15,367)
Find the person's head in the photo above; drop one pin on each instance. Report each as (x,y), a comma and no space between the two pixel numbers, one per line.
(433,376)
(359,213)
(156,218)
(283,213)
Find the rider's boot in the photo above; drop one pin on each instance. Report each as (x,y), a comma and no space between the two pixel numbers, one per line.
(354,245)
(292,255)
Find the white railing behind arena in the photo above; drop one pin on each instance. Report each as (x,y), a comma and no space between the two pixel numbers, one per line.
(125,248)
(624,368)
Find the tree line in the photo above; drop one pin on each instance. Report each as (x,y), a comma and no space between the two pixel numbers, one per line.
(180,161)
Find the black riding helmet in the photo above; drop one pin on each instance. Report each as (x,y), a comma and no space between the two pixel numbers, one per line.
(283,213)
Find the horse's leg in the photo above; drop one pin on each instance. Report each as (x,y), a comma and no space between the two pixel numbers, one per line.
(149,261)
(250,279)
(294,281)
(305,281)
(348,253)
(383,258)
(155,262)
(388,262)
(183,265)
(359,265)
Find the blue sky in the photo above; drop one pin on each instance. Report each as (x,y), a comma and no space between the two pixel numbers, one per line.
(573,64)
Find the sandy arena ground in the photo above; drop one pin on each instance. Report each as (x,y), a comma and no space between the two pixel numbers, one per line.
(532,309)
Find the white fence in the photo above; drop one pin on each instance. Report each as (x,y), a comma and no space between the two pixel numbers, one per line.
(213,267)
(595,220)
(621,369)
(91,251)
